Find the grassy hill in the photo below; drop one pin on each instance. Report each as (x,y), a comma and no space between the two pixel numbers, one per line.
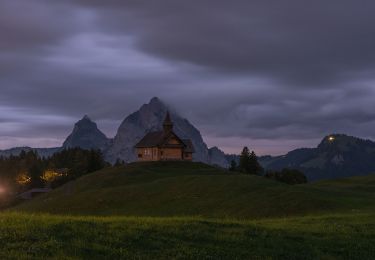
(195,189)
(193,211)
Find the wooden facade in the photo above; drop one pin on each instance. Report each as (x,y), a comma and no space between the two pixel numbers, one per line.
(164,145)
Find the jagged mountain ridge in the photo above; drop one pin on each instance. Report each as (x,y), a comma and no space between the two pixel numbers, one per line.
(147,119)
(336,156)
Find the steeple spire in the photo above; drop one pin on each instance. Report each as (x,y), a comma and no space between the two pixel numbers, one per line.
(168,125)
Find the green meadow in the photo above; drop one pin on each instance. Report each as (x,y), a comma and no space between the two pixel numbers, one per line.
(38,236)
(192,211)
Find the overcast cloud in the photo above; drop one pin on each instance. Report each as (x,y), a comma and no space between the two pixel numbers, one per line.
(274,75)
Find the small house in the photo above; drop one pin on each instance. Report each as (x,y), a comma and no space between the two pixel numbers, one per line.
(164,145)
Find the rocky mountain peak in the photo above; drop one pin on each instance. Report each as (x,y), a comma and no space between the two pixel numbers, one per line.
(86,117)
(155,101)
(150,118)
(85,122)
(86,135)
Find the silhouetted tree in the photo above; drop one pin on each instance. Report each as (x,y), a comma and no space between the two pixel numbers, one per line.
(233,166)
(27,169)
(119,162)
(244,160)
(249,162)
(254,166)
(96,161)
(35,173)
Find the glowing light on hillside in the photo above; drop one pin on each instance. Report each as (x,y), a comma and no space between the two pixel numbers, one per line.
(23,179)
(50,175)
(331,138)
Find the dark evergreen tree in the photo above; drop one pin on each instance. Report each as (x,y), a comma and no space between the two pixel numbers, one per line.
(249,162)
(244,160)
(254,166)
(35,173)
(233,166)
(96,161)
(118,163)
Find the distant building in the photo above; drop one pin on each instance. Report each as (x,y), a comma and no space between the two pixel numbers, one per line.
(164,145)
(27,195)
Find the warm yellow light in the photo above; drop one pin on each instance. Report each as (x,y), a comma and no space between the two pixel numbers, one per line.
(23,179)
(50,175)
(331,138)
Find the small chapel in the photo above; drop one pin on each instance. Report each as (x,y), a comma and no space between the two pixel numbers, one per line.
(164,145)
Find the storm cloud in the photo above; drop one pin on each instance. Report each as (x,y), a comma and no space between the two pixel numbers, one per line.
(272,74)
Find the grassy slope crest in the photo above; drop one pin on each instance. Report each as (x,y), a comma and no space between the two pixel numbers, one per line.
(194,189)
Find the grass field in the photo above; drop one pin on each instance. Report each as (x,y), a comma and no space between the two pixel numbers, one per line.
(326,237)
(190,211)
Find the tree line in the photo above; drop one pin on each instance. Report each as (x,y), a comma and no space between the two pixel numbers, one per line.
(248,164)
(29,170)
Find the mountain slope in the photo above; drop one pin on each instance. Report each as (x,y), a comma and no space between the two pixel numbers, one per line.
(218,157)
(147,119)
(191,189)
(86,135)
(336,156)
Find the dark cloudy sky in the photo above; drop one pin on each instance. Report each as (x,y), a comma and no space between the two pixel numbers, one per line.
(271,74)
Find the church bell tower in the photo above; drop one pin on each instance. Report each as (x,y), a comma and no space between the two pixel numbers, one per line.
(168,125)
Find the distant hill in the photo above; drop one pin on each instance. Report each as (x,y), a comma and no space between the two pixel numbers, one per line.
(337,156)
(43,152)
(196,189)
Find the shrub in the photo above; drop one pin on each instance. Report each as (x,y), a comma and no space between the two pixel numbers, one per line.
(289,176)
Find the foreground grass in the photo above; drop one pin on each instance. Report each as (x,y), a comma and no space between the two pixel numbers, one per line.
(26,236)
